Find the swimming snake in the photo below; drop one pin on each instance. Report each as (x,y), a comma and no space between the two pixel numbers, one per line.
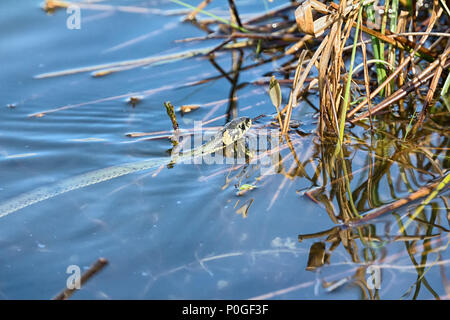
(230,133)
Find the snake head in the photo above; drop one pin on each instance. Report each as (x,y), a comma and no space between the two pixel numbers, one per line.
(242,124)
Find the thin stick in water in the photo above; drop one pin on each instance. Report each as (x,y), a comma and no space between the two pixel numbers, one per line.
(94,269)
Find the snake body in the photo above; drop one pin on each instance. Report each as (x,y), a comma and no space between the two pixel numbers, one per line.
(230,133)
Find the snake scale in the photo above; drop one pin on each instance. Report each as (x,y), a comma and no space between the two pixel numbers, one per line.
(230,133)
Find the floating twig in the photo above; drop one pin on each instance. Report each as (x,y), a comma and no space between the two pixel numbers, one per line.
(93,270)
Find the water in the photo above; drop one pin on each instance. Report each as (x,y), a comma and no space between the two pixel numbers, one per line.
(178,234)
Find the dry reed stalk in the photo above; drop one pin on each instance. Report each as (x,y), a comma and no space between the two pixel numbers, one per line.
(287,119)
(433,85)
(234,14)
(403,91)
(433,20)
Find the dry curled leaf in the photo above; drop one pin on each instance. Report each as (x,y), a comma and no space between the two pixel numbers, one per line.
(305,19)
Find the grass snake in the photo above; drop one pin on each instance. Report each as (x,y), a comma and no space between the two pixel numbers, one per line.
(230,133)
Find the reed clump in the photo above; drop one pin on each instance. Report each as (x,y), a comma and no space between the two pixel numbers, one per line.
(380,72)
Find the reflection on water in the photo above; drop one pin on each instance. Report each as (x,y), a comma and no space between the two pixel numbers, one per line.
(284,224)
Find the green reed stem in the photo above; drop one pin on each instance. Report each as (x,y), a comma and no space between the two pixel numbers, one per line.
(446,86)
(383,27)
(393,15)
(376,45)
(347,185)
